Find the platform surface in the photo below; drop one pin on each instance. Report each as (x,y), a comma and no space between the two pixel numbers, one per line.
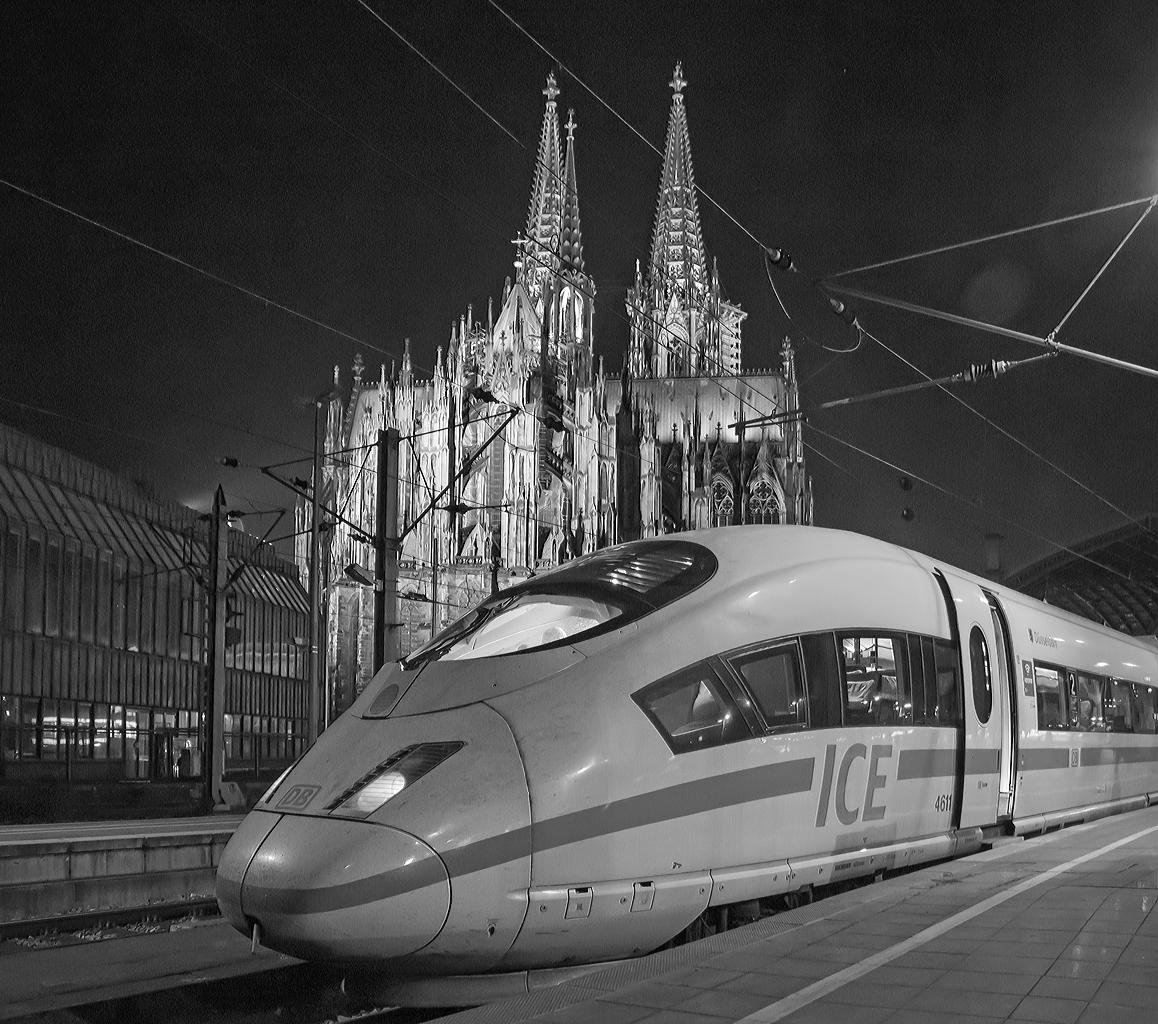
(79,831)
(1059,928)
(36,981)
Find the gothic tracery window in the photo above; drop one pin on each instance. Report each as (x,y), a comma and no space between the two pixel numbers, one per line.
(764,507)
(722,505)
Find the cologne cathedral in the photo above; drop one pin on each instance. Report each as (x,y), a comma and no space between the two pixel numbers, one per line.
(543,452)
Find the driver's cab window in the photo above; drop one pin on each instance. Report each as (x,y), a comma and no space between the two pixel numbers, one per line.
(692,710)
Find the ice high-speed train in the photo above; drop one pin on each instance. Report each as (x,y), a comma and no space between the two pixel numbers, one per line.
(578,768)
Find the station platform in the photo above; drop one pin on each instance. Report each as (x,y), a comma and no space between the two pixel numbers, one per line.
(1057,928)
(47,871)
(39,981)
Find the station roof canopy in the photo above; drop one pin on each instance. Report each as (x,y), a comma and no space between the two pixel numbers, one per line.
(1112,578)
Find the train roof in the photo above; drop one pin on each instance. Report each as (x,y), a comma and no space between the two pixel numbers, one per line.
(757,549)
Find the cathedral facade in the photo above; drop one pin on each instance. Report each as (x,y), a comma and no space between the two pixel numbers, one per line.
(543,452)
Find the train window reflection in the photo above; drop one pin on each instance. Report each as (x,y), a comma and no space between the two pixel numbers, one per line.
(1051,712)
(982,683)
(774,680)
(1121,707)
(528,621)
(1087,691)
(692,710)
(876,681)
(591,594)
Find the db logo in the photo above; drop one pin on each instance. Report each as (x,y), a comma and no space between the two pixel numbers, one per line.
(298,797)
(838,795)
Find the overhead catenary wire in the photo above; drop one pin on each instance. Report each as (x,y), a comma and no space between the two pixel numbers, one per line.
(989,238)
(370,346)
(92,222)
(1015,439)
(897,468)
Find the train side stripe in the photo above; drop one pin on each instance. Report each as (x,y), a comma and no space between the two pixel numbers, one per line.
(739,787)
(1033,759)
(983,761)
(780,779)
(926,763)
(1036,759)
(1117,755)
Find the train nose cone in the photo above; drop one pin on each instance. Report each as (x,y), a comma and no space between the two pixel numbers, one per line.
(334,889)
(235,858)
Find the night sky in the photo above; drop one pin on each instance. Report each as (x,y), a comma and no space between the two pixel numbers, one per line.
(301,151)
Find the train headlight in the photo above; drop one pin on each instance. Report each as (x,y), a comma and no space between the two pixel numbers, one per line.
(385,781)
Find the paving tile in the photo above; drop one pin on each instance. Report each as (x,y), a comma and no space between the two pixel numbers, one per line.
(602,1010)
(1133,957)
(952,943)
(873,941)
(1103,938)
(772,986)
(1044,1008)
(824,1012)
(699,976)
(1103,1013)
(806,967)
(1133,974)
(840,956)
(656,994)
(923,957)
(725,1003)
(1035,965)
(671,1016)
(1064,967)
(1067,988)
(986,981)
(1091,951)
(1052,949)
(1117,993)
(872,993)
(897,974)
(907,1016)
(965,1001)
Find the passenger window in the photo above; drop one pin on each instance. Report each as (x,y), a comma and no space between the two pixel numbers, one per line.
(876,681)
(774,680)
(822,671)
(1121,709)
(1086,702)
(1147,721)
(692,710)
(948,703)
(979,666)
(1051,713)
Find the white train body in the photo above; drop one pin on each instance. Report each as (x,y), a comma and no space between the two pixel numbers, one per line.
(810,707)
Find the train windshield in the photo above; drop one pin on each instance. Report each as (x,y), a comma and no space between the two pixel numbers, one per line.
(594,593)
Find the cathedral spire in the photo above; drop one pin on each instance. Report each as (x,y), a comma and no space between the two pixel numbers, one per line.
(571,239)
(538,250)
(677,244)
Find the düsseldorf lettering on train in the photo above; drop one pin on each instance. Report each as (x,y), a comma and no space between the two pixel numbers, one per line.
(581,766)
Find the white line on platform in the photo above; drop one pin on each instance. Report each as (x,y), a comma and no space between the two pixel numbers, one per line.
(817,990)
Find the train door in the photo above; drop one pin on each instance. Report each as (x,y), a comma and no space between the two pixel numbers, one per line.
(1004,699)
(984,710)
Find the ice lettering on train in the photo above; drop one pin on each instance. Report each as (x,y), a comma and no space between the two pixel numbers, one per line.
(868,809)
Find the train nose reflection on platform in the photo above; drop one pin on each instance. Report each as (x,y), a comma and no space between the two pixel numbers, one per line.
(322,887)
